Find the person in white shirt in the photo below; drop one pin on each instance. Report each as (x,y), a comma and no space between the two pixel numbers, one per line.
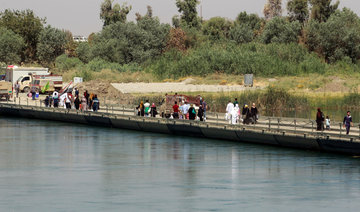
(235,114)
(229,109)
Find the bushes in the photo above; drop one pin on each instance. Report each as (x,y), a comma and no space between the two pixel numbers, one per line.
(229,58)
(65,63)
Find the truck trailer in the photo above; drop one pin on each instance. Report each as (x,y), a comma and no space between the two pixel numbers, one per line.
(14,73)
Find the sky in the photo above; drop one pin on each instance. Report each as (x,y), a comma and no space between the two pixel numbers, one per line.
(81,17)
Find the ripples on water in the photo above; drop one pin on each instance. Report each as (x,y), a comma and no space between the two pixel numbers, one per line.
(48,166)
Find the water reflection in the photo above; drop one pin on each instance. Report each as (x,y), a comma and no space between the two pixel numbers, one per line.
(96,169)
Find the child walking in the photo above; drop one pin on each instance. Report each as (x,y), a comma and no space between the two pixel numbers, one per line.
(327,123)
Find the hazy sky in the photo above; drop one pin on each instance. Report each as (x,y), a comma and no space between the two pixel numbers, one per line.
(81,17)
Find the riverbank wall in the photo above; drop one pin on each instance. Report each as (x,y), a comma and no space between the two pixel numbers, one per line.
(316,141)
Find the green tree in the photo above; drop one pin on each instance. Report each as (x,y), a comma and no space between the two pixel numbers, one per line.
(334,39)
(129,42)
(272,9)
(279,30)
(175,21)
(51,44)
(83,52)
(11,46)
(298,10)
(321,10)
(110,13)
(251,20)
(217,28)
(242,34)
(189,12)
(26,24)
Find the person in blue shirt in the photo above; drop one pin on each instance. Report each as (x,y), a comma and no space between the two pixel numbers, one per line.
(95,104)
(348,122)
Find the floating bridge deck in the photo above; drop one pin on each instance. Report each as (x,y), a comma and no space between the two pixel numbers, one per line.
(283,132)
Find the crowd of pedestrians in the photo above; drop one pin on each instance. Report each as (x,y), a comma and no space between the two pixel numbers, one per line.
(71,99)
(246,115)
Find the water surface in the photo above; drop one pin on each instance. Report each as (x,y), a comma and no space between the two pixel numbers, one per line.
(50,166)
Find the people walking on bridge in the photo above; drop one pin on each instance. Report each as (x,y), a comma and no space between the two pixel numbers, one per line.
(68,100)
(147,108)
(153,111)
(181,110)
(229,108)
(95,103)
(84,103)
(17,89)
(175,109)
(192,112)
(204,107)
(246,114)
(327,123)
(91,97)
(87,95)
(201,113)
(348,122)
(140,108)
(235,114)
(254,113)
(47,101)
(55,97)
(236,102)
(320,120)
(77,102)
(186,108)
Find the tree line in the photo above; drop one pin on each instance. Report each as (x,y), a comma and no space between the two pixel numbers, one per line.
(314,34)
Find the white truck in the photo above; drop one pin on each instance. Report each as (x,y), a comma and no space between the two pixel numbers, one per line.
(14,73)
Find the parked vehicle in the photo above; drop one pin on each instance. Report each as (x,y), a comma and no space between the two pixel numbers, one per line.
(26,81)
(14,73)
(6,90)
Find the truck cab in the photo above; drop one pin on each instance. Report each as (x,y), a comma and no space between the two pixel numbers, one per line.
(24,82)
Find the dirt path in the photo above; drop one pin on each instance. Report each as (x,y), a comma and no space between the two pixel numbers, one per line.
(175,87)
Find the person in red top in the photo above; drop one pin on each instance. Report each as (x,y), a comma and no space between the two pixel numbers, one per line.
(176,110)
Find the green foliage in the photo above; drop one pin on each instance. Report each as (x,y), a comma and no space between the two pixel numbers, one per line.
(251,20)
(242,34)
(279,30)
(189,12)
(272,9)
(98,65)
(217,28)
(279,99)
(129,42)
(83,52)
(11,45)
(322,9)
(260,59)
(337,38)
(111,14)
(28,26)
(51,44)
(65,63)
(298,10)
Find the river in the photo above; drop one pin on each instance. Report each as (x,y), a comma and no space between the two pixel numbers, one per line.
(50,166)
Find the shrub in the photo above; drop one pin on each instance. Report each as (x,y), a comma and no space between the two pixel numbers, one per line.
(65,63)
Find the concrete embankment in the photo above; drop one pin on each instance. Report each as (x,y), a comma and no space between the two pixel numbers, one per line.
(251,134)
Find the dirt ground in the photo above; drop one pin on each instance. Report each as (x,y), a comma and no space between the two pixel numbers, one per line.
(104,90)
(176,87)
